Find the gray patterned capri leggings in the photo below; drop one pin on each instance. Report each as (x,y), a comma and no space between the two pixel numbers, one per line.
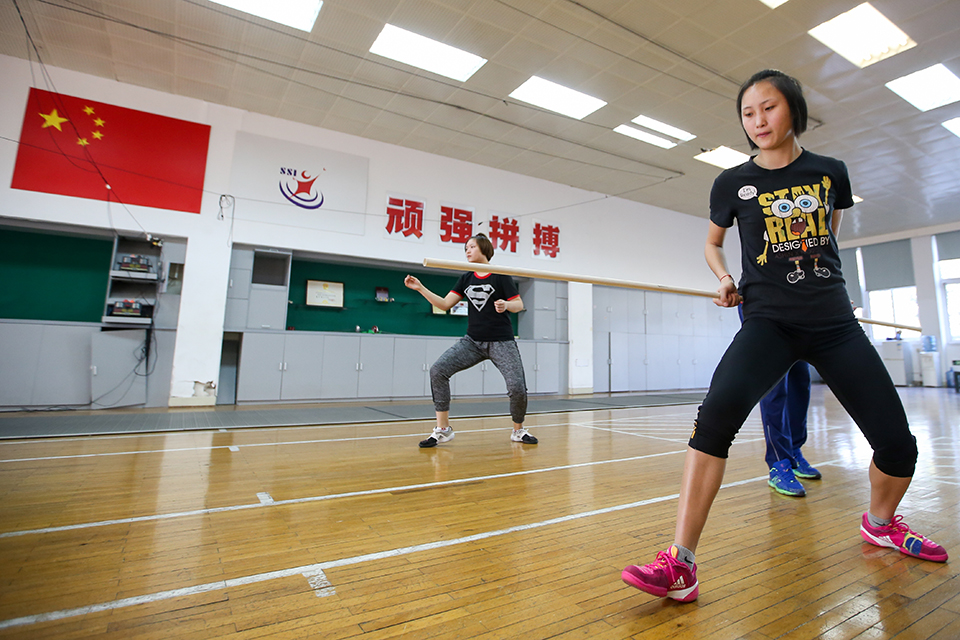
(466,353)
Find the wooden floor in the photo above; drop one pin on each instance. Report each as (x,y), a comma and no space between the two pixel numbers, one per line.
(354,532)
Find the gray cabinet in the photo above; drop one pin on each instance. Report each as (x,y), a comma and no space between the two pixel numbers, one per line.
(267,307)
(118,368)
(541,366)
(493,382)
(663,362)
(649,340)
(410,367)
(260,376)
(545,303)
(302,366)
(376,367)
(279,366)
(257,289)
(341,367)
(412,358)
(45,364)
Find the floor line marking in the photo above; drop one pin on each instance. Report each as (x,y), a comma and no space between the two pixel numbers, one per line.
(333,496)
(319,583)
(331,564)
(253,444)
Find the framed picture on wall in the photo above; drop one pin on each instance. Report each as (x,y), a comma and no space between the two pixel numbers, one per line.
(459,309)
(324,294)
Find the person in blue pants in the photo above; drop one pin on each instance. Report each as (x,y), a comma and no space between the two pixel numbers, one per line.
(784,414)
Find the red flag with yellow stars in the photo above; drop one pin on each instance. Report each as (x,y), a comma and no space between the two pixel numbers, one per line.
(75,147)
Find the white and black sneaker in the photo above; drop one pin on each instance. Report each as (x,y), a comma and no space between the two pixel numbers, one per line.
(439,435)
(522,435)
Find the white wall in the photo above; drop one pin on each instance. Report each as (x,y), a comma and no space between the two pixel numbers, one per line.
(607,237)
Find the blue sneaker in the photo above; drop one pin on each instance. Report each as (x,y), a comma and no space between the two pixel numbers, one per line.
(802,468)
(783,481)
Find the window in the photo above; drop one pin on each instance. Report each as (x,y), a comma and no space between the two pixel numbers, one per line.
(893,305)
(950,276)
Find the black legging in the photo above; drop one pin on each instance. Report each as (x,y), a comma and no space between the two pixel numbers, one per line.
(762,352)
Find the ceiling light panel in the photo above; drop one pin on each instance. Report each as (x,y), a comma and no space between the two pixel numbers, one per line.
(423,53)
(773,4)
(555,97)
(723,157)
(928,88)
(299,14)
(664,128)
(953,126)
(643,136)
(863,36)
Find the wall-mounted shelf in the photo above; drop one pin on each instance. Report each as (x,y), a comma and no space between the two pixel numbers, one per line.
(126,320)
(134,278)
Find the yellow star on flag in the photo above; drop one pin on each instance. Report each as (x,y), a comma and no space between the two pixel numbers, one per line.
(52,119)
(97,135)
(82,142)
(88,111)
(98,122)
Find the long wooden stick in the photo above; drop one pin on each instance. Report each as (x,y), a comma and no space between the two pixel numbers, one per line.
(610,282)
(568,277)
(906,327)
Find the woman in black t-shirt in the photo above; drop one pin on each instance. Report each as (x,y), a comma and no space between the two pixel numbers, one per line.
(787,203)
(489,337)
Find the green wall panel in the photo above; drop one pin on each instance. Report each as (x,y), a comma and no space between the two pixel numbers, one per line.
(53,277)
(408,313)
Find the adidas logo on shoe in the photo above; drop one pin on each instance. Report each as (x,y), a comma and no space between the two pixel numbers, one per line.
(679,584)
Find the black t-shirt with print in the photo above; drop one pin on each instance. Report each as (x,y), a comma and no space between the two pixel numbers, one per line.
(789,255)
(484,324)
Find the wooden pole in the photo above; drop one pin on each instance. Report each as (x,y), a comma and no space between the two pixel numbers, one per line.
(609,282)
(550,275)
(905,327)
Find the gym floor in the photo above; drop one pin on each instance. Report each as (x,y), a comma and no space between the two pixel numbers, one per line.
(351,531)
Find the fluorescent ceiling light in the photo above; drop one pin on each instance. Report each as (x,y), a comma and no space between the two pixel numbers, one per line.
(928,88)
(643,136)
(299,14)
(863,36)
(723,157)
(663,127)
(773,4)
(423,53)
(550,95)
(953,126)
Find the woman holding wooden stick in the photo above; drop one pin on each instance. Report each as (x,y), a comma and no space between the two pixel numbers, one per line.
(787,202)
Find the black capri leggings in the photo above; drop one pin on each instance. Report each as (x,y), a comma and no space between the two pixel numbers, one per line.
(762,352)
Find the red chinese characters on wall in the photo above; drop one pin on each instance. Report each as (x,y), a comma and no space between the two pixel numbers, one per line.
(546,240)
(405,216)
(504,233)
(456,224)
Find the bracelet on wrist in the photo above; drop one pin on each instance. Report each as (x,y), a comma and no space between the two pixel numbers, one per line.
(726,275)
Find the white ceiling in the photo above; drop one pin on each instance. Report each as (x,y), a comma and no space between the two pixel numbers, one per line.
(680,61)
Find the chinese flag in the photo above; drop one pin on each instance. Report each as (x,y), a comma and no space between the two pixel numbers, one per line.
(75,147)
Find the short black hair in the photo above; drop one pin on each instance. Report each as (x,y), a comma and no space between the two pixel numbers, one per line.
(790,88)
(483,243)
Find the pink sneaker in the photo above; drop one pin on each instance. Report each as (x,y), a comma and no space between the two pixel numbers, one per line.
(666,577)
(897,535)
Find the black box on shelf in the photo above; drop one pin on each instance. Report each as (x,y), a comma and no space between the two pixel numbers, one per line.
(130,309)
(135,262)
